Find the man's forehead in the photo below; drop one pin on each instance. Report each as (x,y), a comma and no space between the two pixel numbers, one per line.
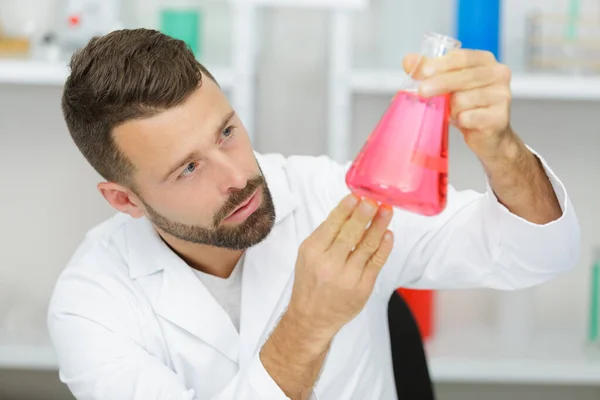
(188,125)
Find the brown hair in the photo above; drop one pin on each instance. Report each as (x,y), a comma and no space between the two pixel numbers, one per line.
(124,75)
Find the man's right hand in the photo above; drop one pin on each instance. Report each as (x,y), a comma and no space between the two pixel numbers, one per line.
(336,270)
(338,265)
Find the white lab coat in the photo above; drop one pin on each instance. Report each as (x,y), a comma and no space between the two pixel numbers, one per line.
(130,321)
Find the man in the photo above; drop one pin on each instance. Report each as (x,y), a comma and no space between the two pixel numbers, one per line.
(229,274)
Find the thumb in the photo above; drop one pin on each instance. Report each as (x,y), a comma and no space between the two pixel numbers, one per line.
(412,65)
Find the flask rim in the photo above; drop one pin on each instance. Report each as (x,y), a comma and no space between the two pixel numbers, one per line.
(446,41)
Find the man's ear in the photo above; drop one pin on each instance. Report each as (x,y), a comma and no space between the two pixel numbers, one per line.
(121,199)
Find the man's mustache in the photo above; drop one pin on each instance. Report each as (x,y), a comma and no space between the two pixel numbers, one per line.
(238,197)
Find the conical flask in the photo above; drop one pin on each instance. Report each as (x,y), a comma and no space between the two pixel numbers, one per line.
(404,162)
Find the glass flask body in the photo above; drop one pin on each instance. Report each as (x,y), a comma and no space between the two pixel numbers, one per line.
(404,162)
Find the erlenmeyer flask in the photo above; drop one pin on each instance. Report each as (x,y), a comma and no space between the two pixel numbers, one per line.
(404,162)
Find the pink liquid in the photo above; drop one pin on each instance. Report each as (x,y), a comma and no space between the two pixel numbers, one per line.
(404,163)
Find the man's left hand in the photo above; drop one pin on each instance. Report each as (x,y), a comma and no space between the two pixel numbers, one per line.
(480,94)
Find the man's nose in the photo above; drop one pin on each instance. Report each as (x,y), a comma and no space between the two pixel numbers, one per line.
(230,176)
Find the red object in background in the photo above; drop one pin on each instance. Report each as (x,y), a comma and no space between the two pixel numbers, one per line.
(74,20)
(421,303)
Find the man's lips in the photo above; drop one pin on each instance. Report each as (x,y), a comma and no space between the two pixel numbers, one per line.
(245,203)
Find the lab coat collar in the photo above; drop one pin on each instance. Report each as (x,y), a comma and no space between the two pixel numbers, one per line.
(183,299)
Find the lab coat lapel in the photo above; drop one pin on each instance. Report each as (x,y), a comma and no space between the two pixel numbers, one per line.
(268,268)
(186,302)
(182,298)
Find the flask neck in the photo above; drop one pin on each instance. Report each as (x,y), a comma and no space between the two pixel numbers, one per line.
(436,45)
(433,45)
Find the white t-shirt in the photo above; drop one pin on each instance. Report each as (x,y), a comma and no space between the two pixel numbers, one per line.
(227,291)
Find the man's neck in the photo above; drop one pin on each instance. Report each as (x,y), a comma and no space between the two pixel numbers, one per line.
(208,259)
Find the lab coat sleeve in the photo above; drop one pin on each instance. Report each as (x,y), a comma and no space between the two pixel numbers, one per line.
(476,242)
(98,340)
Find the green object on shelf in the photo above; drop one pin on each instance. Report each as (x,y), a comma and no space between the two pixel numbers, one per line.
(184,24)
(594,300)
(574,7)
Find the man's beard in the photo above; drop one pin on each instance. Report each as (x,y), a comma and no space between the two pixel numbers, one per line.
(239,237)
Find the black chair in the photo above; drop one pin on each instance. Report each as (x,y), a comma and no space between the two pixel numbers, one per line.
(411,372)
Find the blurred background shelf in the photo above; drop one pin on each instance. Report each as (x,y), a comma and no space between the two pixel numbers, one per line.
(27,357)
(378,82)
(479,356)
(30,72)
(515,371)
(524,86)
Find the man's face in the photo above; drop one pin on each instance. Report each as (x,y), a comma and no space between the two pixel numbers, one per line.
(195,172)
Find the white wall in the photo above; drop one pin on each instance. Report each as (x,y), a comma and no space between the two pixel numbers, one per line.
(49,199)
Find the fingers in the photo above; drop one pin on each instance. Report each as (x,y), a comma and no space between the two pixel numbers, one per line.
(370,242)
(457,70)
(377,261)
(329,229)
(479,98)
(353,229)
(455,81)
(492,119)
(458,60)
(423,67)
